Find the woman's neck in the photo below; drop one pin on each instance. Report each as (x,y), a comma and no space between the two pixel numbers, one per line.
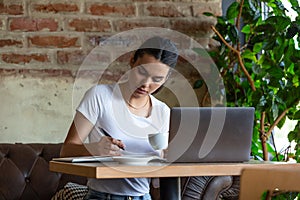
(137,105)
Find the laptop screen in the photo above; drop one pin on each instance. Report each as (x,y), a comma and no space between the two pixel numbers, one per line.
(210,134)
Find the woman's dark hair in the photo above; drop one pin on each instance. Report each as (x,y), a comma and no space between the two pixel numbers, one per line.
(162,49)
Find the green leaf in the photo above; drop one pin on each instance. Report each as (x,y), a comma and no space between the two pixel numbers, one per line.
(257,70)
(233,10)
(249,55)
(256,96)
(246,29)
(270,148)
(275,72)
(270,44)
(294,3)
(279,22)
(251,12)
(293,135)
(290,95)
(274,82)
(274,110)
(257,47)
(291,32)
(295,81)
(265,28)
(281,122)
(290,70)
(221,21)
(233,34)
(296,116)
(279,52)
(261,59)
(257,38)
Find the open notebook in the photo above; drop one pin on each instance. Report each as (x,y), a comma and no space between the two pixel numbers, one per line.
(85,159)
(127,157)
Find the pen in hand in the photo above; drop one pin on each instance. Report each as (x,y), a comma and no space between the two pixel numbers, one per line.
(108,135)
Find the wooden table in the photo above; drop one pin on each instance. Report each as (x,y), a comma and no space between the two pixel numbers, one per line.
(175,170)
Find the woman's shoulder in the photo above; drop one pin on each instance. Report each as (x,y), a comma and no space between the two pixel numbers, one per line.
(97,92)
(101,88)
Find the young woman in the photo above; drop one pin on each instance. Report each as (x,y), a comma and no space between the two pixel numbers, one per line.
(118,116)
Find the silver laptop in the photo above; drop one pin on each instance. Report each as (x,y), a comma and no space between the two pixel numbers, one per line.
(210,134)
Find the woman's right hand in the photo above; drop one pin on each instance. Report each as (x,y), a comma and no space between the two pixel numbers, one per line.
(78,132)
(107,146)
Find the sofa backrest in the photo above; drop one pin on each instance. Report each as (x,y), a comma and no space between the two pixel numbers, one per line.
(24,172)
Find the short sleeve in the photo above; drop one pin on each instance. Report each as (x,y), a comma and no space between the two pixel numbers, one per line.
(90,105)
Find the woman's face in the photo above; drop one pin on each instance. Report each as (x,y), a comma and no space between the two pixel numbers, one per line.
(147,75)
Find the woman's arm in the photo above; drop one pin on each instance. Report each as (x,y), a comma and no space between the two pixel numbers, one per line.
(78,132)
(74,143)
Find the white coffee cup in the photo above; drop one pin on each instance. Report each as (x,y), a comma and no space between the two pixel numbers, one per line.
(158,140)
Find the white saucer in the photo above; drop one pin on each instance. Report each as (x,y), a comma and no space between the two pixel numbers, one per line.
(134,160)
(135,154)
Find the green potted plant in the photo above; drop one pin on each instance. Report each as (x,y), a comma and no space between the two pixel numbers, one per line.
(260,66)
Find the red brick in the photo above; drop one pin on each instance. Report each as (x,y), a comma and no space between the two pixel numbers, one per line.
(47,72)
(94,58)
(113,9)
(55,8)
(200,8)
(124,25)
(50,24)
(12,9)
(53,41)
(70,57)
(110,39)
(89,25)
(28,24)
(37,72)
(8,72)
(24,58)
(194,27)
(95,40)
(10,42)
(164,11)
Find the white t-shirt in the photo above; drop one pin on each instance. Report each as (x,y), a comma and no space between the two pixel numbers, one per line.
(104,106)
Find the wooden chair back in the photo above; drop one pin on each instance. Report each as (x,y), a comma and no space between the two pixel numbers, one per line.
(254,182)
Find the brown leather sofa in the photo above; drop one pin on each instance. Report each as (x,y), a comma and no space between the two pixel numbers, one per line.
(24,175)
(24,172)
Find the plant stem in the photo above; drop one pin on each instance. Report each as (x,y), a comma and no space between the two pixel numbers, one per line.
(276,122)
(238,20)
(263,136)
(239,15)
(240,60)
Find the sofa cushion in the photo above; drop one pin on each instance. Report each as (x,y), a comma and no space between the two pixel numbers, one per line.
(24,171)
(71,191)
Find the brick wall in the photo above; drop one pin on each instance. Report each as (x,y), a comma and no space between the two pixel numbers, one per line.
(43,43)
(58,34)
